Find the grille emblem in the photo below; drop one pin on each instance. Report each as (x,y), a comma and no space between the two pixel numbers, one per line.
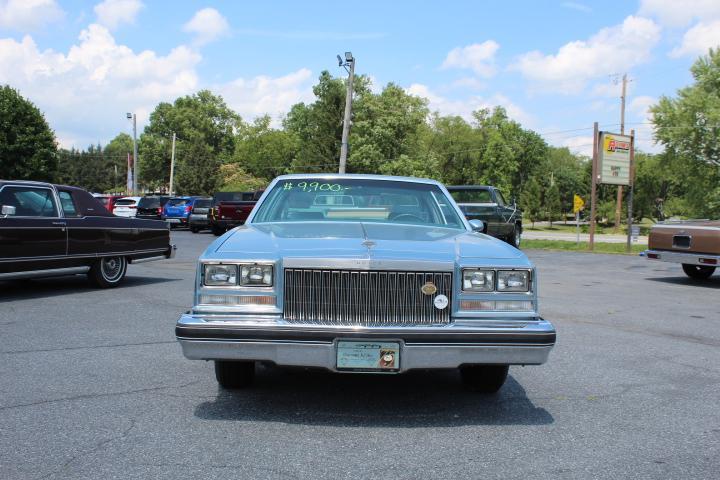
(429,288)
(441,302)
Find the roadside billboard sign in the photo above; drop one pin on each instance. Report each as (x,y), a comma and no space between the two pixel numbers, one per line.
(614,158)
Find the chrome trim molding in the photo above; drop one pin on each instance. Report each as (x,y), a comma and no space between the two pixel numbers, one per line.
(682,257)
(88,255)
(54,272)
(323,355)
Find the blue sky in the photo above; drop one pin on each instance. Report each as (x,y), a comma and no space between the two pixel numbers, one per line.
(550,63)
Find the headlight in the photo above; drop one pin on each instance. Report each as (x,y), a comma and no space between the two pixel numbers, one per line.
(478,280)
(256,275)
(220,275)
(513,280)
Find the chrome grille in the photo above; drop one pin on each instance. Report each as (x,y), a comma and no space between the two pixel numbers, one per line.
(364,298)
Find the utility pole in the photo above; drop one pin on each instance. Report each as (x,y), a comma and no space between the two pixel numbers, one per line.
(172,164)
(349,62)
(618,205)
(593,187)
(133,117)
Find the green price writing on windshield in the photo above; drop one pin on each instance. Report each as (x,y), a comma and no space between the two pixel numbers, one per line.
(314,187)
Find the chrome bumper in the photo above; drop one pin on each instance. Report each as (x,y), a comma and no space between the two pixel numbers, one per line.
(236,338)
(701,259)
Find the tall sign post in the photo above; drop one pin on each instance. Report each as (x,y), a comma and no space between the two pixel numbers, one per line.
(631,192)
(593,188)
(612,165)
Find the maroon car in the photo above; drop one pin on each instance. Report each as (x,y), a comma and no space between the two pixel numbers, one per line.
(231,209)
(50,230)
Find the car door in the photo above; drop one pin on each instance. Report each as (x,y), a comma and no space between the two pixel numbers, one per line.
(505,215)
(35,236)
(84,236)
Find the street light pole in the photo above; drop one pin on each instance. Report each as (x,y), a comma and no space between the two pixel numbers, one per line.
(172,164)
(133,117)
(349,62)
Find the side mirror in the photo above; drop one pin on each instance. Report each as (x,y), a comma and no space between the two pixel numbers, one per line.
(7,210)
(477,225)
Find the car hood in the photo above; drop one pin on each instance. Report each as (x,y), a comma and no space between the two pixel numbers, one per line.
(355,240)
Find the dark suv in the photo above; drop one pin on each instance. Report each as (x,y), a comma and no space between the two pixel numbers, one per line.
(478,202)
(151,206)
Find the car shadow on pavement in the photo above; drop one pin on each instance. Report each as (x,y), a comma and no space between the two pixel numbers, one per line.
(415,399)
(55,286)
(712,282)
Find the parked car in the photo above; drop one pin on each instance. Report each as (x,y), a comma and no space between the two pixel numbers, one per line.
(231,209)
(199,215)
(364,273)
(693,244)
(502,220)
(177,211)
(126,206)
(108,201)
(50,230)
(151,206)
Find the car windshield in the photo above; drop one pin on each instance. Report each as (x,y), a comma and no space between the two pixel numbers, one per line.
(358,200)
(178,202)
(471,196)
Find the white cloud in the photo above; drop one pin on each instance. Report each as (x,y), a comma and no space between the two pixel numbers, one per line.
(25,15)
(612,49)
(675,13)
(465,107)
(699,39)
(479,57)
(85,92)
(267,95)
(581,145)
(469,82)
(113,13)
(207,25)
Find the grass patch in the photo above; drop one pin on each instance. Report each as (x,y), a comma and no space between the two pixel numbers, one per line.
(618,248)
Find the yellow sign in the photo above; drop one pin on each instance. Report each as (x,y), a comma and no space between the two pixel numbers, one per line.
(578,204)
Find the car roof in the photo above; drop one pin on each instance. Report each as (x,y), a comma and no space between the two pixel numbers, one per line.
(469,187)
(331,176)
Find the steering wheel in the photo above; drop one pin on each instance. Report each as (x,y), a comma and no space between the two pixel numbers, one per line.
(409,216)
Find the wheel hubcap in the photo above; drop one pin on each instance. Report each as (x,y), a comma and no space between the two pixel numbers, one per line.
(111,268)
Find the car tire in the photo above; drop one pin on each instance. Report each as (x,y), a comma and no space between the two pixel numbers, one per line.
(484,378)
(108,272)
(217,231)
(194,229)
(697,272)
(232,375)
(515,237)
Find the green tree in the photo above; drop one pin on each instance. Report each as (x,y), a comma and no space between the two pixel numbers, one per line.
(116,152)
(552,203)
(27,144)
(689,127)
(263,151)
(206,130)
(317,127)
(531,200)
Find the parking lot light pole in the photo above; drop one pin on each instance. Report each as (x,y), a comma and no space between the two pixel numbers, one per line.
(133,117)
(349,62)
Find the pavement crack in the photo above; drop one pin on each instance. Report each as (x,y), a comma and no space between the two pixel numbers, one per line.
(99,445)
(97,395)
(91,347)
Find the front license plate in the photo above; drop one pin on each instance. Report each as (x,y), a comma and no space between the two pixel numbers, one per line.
(173,220)
(368,356)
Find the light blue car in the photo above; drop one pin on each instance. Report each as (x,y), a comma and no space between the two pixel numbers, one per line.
(363,273)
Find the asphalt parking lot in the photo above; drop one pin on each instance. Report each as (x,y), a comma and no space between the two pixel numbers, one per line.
(93,385)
